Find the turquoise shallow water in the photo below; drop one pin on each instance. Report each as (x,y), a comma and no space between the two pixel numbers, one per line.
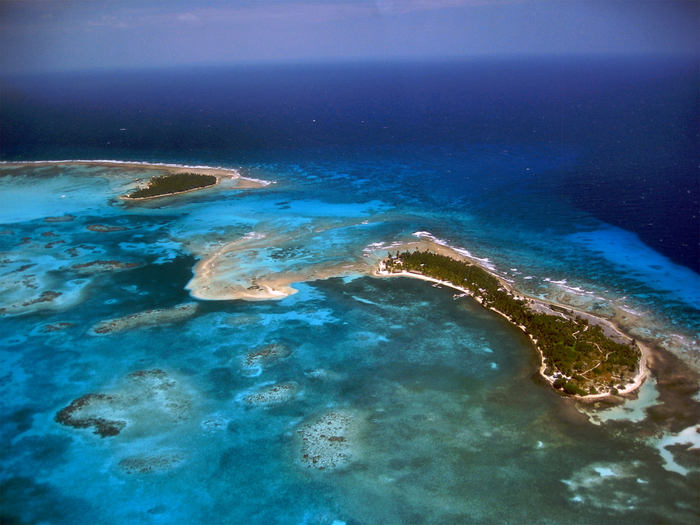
(446,420)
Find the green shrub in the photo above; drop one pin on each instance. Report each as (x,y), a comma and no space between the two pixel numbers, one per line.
(174,183)
(572,389)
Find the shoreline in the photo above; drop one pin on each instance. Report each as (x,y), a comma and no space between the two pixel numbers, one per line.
(221,174)
(639,378)
(162,166)
(536,303)
(211,282)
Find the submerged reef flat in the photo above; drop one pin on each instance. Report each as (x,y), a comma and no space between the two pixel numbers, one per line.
(146,398)
(329,442)
(617,487)
(102,266)
(15,300)
(242,320)
(144,319)
(254,362)
(270,394)
(62,218)
(103,228)
(56,327)
(218,276)
(256,268)
(47,268)
(146,464)
(95,411)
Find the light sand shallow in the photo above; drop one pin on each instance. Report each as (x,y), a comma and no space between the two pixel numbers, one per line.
(329,442)
(219,277)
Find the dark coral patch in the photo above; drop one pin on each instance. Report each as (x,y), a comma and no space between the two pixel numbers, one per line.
(148,464)
(45,297)
(104,265)
(147,400)
(56,327)
(148,374)
(71,416)
(103,228)
(64,218)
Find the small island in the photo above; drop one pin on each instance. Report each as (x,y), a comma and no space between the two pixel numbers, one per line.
(582,355)
(172,184)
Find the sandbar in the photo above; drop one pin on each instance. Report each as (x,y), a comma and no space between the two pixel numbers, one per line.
(218,277)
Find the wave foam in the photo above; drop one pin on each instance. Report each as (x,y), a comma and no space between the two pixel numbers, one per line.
(124,162)
(375,246)
(466,253)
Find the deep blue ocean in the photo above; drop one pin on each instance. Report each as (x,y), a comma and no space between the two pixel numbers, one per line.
(621,135)
(575,178)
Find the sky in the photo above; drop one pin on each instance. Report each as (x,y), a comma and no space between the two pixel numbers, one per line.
(66,35)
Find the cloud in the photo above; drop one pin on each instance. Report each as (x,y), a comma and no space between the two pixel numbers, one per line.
(132,33)
(406,6)
(188,17)
(303,13)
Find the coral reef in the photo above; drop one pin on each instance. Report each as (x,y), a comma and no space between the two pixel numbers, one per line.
(64,218)
(152,463)
(254,362)
(328,442)
(148,399)
(56,327)
(81,414)
(143,319)
(271,395)
(97,266)
(102,228)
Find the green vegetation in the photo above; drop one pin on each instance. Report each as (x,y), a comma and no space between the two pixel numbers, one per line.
(173,183)
(578,354)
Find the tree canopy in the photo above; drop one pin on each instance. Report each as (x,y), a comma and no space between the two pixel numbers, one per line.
(173,183)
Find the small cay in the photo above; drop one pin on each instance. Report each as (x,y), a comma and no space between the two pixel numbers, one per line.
(172,184)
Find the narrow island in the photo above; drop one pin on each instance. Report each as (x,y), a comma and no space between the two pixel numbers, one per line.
(176,178)
(173,183)
(581,355)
